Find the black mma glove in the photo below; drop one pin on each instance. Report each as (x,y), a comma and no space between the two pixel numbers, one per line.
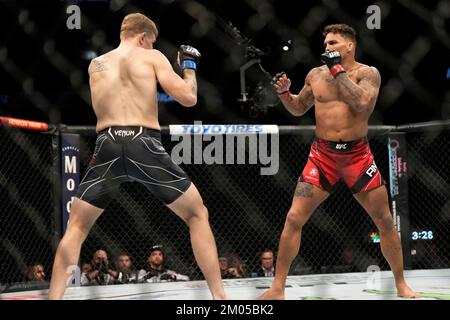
(277,77)
(189,57)
(333,60)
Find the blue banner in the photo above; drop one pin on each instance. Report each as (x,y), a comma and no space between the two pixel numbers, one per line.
(70,173)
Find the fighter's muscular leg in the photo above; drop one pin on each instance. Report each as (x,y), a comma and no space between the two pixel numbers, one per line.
(305,201)
(375,202)
(191,209)
(82,217)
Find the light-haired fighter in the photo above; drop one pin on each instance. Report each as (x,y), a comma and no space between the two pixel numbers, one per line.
(128,148)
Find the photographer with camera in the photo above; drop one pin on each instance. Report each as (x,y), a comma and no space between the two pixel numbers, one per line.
(127,272)
(101,272)
(156,271)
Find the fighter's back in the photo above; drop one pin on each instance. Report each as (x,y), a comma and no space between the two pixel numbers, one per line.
(123,87)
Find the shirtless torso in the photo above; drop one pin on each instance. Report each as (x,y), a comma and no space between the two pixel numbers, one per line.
(341,114)
(123,86)
(335,119)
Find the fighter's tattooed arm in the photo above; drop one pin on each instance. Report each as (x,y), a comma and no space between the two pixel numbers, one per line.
(190,78)
(304,190)
(306,97)
(299,104)
(362,95)
(194,85)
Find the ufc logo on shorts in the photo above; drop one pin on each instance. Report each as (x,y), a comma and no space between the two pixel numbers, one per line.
(372,170)
(341,146)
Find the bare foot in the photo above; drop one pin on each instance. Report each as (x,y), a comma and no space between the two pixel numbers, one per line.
(271,294)
(405,292)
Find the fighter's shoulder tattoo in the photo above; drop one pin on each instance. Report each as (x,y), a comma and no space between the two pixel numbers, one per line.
(369,75)
(97,65)
(313,72)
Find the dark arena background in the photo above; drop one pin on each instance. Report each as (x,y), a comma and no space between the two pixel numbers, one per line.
(44,57)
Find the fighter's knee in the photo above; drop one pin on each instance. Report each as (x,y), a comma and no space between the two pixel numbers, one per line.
(197,215)
(295,219)
(203,213)
(78,229)
(385,223)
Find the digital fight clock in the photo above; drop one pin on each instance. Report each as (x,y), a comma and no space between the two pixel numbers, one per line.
(422,235)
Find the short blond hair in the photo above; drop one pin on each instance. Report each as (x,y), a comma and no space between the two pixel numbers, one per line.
(135,23)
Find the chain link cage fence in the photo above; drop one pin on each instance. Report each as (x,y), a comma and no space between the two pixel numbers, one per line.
(247,213)
(27,221)
(247,210)
(429,194)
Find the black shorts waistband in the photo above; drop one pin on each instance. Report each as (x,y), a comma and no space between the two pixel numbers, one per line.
(343,146)
(128,133)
